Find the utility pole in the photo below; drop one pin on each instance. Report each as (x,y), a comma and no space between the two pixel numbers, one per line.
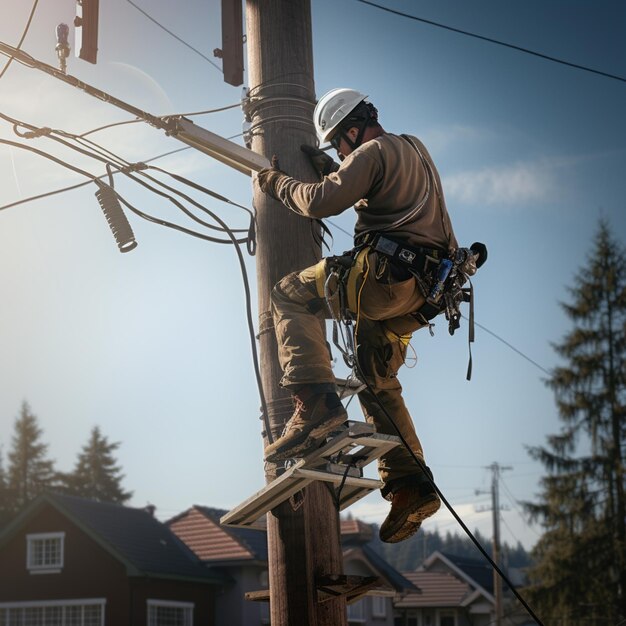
(495,506)
(303,541)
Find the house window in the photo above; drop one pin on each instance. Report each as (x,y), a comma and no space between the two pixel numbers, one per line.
(53,613)
(44,553)
(447,618)
(356,612)
(379,606)
(166,613)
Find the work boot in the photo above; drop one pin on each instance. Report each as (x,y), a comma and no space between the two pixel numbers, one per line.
(410,506)
(316,414)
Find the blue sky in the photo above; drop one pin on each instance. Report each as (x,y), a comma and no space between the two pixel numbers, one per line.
(152,345)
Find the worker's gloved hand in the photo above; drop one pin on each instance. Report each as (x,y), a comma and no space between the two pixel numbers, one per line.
(322,162)
(267,179)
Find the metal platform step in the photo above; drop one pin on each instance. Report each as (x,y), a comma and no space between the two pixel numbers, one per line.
(340,461)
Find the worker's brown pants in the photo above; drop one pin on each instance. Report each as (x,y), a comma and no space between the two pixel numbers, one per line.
(383,328)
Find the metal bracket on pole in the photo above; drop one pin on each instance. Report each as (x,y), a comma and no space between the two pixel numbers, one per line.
(224,150)
(339,462)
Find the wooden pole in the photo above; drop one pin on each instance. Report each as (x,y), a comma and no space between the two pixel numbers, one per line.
(303,542)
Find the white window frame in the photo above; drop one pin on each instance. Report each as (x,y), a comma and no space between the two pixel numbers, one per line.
(379,606)
(83,602)
(358,611)
(44,568)
(171,604)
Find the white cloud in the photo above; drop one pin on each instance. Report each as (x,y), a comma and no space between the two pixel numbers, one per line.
(518,184)
(439,139)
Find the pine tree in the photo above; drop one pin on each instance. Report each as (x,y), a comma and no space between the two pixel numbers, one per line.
(30,471)
(580,570)
(96,474)
(5,498)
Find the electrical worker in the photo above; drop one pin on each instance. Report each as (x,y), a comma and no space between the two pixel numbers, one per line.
(396,191)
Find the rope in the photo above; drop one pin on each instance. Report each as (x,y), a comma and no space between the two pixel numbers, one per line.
(456,516)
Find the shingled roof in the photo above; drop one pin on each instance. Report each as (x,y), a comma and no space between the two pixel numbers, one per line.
(200,529)
(438,590)
(146,546)
(478,571)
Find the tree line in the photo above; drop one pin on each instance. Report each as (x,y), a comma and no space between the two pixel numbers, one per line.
(29,471)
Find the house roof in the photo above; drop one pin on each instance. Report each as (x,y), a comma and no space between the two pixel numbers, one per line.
(146,546)
(391,575)
(438,589)
(356,531)
(477,573)
(200,528)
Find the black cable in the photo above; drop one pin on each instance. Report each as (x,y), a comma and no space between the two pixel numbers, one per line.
(97,179)
(72,187)
(125,168)
(169,32)
(21,41)
(490,40)
(456,516)
(226,229)
(506,343)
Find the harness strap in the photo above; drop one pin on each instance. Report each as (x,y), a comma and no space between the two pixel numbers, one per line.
(470,332)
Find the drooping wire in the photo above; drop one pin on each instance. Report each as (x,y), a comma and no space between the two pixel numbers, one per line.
(223,225)
(353,361)
(456,516)
(126,168)
(495,41)
(21,41)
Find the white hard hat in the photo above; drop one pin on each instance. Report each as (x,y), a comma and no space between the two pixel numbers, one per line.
(332,108)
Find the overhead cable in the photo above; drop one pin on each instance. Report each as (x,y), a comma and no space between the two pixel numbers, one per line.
(506,343)
(169,32)
(496,41)
(250,240)
(21,41)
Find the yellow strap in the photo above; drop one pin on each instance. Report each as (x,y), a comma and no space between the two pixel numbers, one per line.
(356,273)
(320,278)
(405,339)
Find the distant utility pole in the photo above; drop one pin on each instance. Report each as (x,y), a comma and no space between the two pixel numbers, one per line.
(303,541)
(495,505)
(495,508)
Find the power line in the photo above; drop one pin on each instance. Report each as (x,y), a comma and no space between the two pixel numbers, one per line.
(163,117)
(169,32)
(21,41)
(490,40)
(506,343)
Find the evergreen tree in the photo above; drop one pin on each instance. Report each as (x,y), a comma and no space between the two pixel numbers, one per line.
(5,498)
(580,570)
(30,471)
(96,474)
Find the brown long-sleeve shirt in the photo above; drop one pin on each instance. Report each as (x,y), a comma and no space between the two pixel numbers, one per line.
(393,186)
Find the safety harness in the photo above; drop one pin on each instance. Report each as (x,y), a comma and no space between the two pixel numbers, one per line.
(441,278)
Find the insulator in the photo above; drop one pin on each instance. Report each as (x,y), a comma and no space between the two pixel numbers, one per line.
(63,31)
(119,225)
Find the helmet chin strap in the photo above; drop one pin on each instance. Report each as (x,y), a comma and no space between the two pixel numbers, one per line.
(359,138)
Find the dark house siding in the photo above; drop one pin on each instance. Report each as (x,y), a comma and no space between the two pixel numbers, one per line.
(89,571)
(201,596)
